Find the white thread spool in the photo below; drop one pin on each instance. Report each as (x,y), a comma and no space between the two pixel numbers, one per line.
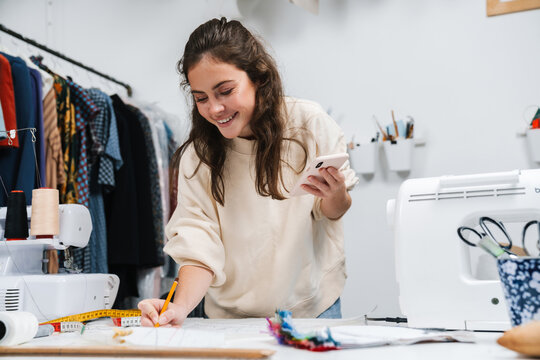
(45,213)
(17,327)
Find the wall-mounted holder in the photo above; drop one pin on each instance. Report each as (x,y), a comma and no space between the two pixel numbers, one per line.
(362,157)
(399,154)
(533,144)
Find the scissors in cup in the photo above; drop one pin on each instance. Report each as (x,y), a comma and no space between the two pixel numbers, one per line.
(486,240)
(523,237)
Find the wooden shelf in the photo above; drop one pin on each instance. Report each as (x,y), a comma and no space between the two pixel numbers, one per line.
(499,7)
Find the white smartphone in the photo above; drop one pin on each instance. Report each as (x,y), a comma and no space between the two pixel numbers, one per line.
(335,160)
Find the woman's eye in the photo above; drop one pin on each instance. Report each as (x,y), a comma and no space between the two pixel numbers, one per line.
(201,99)
(226,92)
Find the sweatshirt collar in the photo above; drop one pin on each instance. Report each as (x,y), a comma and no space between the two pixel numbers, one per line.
(243,146)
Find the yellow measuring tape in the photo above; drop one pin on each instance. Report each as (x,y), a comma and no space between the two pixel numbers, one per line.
(91,315)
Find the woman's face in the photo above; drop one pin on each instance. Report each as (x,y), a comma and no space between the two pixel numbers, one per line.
(224,95)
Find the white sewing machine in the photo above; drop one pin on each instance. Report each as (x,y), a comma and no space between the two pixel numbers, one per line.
(24,285)
(444,283)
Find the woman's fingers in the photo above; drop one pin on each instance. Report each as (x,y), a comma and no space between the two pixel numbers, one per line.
(323,186)
(328,176)
(150,309)
(336,174)
(169,316)
(146,322)
(333,181)
(312,190)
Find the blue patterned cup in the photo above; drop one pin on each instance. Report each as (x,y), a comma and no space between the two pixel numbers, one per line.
(520,279)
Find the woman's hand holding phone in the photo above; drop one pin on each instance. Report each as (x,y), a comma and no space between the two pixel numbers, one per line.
(324,180)
(330,183)
(319,179)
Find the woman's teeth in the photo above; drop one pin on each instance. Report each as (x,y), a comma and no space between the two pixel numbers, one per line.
(226,120)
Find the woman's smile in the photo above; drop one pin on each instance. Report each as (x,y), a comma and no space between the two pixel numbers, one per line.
(227,120)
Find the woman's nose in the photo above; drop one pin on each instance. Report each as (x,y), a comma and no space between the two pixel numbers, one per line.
(216,107)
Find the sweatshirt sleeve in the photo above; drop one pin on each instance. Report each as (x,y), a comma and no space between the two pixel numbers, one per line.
(329,139)
(193,230)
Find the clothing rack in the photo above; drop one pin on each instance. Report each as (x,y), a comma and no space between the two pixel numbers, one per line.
(64,57)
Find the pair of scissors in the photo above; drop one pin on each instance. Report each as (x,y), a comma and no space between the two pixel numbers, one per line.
(483,222)
(525,228)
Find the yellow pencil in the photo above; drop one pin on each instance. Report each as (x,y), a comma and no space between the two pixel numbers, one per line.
(168,300)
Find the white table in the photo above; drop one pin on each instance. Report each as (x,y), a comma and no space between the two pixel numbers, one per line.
(250,333)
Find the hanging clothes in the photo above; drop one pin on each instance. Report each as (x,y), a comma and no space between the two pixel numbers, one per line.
(173,178)
(7,99)
(35,78)
(68,135)
(65,110)
(54,162)
(172,145)
(85,111)
(111,161)
(102,180)
(149,279)
(155,188)
(163,141)
(17,165)
(104,125)
(131,234)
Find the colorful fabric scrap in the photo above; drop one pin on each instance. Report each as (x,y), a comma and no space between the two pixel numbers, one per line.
(286,334)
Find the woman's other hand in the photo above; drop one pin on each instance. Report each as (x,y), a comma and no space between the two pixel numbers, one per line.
(333,191)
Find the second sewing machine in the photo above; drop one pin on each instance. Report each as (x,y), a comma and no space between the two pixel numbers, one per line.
(444,283)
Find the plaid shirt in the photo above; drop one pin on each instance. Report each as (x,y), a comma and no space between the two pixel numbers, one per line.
(85,112)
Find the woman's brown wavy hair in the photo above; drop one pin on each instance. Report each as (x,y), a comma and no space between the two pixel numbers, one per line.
(230,42)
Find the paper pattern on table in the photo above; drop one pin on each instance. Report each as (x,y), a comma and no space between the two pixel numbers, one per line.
(175,337)
(368,336)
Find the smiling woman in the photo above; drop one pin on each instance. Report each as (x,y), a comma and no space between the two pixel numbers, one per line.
(225,96)
(242,242)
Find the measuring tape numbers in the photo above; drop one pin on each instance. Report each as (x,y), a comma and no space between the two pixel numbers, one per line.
(75,322)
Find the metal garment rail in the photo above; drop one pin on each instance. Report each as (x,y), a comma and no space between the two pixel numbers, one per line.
(64,57)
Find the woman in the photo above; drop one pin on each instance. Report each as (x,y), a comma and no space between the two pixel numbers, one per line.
(242,243)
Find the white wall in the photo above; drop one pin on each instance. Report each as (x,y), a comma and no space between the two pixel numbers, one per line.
(465,78)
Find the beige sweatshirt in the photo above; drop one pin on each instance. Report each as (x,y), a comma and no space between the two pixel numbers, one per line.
(265,254)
